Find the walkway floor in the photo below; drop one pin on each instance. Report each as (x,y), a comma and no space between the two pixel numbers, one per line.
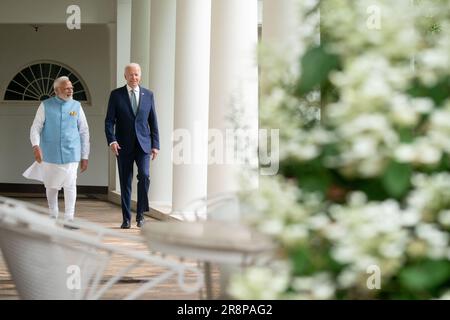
(109,215)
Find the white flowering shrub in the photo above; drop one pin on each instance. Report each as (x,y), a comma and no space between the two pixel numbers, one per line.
(368,185)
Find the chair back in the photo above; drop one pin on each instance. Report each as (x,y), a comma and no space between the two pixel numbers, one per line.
(43,262)
(48,261)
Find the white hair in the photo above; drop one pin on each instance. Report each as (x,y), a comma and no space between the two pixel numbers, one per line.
(59,80)
(132,65)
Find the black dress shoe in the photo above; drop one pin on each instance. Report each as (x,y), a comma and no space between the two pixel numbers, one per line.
(70,227)
(140,223)
(125,225)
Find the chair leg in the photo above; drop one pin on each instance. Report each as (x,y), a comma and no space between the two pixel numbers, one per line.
(208,282)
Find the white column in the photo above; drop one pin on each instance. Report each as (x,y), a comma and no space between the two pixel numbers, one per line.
(123,44)
(112,168)
(162,82)
(279,19)
(280,22)
(139,53)
(191,100)
(140,34)
(233,92)
(122,57)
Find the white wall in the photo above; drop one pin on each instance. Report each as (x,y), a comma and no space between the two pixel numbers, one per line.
(87,51)
(54,11)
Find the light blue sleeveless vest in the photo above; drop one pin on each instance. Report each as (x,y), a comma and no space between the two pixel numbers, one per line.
(60,138)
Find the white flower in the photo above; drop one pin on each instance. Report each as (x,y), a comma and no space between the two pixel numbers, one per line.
(434,59)
(318,221)
(294,234)
(272,227)
(260,283)
(344,254)
(446,295)
(405,153)
(347,278)
(410,217)
(368,120)
(422,105)
(306,152)
(363,147)
(319,286)
(437,240)
(357,198)
(403,112)
(444,217)
(323,290)
(426,153)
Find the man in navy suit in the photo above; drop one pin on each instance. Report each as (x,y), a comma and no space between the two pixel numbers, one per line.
(131,130)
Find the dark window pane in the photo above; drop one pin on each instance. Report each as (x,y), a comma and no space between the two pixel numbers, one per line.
(35,86)
(36,71)
(64,72)
(20,79)
(27,73)
(45,69)
(55,71)
(12,96)
(81,96)
(46,86)
(31,94)
(15,87)
(77,87)
(73,78)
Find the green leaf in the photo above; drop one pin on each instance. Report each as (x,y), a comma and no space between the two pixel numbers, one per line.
(316,65)
(444,164)
(319,182)
(438,93)
(397,179)
(301,261)
(373,188)
(406,135)
(426,275)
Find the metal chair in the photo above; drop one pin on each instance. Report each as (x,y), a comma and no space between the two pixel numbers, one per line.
(49,261)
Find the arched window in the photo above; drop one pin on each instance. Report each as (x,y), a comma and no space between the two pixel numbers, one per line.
(35,83)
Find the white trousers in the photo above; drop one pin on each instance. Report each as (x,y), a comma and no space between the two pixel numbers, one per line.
(70,196)
(55,177)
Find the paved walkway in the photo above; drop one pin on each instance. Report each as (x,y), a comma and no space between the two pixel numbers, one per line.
(109,215)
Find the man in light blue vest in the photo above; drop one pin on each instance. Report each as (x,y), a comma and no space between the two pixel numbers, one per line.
(60,139)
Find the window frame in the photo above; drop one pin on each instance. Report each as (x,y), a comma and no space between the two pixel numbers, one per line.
(72,73)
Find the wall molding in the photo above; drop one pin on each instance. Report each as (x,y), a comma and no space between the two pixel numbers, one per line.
(40,189)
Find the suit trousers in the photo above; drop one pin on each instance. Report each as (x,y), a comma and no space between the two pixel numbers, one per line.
(125,163)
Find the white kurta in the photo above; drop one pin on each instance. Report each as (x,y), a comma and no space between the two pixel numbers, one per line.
(53,175)
(56,175)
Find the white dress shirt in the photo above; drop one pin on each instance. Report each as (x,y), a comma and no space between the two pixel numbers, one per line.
(136,92)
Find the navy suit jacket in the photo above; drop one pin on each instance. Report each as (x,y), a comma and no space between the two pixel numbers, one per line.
(129,128)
